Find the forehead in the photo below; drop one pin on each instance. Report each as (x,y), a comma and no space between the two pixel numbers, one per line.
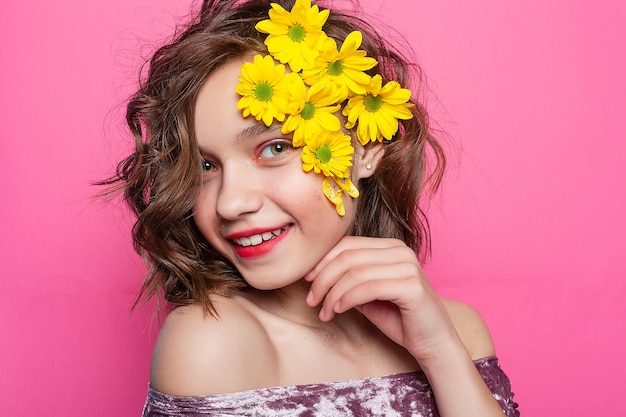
(216,115)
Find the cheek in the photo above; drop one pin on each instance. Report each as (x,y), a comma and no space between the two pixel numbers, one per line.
(204,211)
(313,205)
(304,192)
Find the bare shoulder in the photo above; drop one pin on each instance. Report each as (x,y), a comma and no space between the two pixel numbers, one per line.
(199,354)
(471,328)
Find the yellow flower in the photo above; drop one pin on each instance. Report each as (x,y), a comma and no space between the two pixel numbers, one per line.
(344,68)
(329,153)
(378,111)
(333,190)
(264,89)
(314,113)
(294,36)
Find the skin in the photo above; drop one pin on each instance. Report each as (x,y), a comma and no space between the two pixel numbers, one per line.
(323,306)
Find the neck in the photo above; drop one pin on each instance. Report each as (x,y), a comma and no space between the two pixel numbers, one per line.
(290,303)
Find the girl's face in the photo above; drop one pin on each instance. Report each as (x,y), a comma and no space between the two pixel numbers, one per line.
(257,207)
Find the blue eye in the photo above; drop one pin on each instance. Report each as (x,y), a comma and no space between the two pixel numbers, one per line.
(275,149)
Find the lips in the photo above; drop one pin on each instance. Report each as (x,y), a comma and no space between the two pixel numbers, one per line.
(257,243)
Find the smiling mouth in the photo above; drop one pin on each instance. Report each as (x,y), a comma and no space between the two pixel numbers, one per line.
(257,239)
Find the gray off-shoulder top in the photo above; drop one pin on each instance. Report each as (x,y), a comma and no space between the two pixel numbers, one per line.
(405,394)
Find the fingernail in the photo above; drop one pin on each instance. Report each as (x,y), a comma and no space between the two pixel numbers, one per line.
(309,275)
(309,298)
(337,307)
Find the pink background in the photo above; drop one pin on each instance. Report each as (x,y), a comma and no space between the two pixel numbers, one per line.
(529,227)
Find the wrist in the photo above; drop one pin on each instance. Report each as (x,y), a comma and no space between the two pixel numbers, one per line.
(449,356)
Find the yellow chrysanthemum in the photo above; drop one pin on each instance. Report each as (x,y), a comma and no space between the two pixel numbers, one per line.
(294,37)
(333,190)
(344,68)
(378,111)
(329,153)
(314,113)
(264,89)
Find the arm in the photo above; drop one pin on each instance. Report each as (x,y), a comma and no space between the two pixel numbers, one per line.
(383,279)
(458,387)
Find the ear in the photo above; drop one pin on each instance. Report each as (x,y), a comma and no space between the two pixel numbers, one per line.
(367,162)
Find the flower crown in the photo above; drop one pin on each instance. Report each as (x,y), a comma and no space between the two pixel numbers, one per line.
(322,81)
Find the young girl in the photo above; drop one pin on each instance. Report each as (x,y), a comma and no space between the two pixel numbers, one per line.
(280,159)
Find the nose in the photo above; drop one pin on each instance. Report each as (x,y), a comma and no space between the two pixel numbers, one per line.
(240,192)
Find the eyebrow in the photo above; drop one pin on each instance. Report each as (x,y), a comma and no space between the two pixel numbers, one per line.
(255,130)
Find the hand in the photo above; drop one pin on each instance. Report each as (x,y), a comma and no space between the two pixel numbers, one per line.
(383,279)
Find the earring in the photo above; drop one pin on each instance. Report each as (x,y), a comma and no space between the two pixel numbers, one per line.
(368,166)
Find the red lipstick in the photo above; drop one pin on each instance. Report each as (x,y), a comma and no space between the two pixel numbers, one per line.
(263,248)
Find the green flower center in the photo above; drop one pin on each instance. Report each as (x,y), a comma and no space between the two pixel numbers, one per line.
(372,103)
(263,92)
(335,68)
(323,154)
(308,111)
(296,33)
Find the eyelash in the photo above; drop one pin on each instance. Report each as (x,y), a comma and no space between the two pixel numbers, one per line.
(285,146)
(271,147)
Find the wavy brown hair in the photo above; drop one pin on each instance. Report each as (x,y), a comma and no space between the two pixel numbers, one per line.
(161,178)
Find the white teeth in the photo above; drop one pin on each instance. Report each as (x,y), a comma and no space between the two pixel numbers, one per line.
(257,239)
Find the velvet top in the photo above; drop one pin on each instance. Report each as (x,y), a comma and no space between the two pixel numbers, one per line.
(405,394)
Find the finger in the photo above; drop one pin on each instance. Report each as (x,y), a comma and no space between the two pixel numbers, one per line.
(352,242)
(341,264)
(399,276)
(353,262)
(369,293)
